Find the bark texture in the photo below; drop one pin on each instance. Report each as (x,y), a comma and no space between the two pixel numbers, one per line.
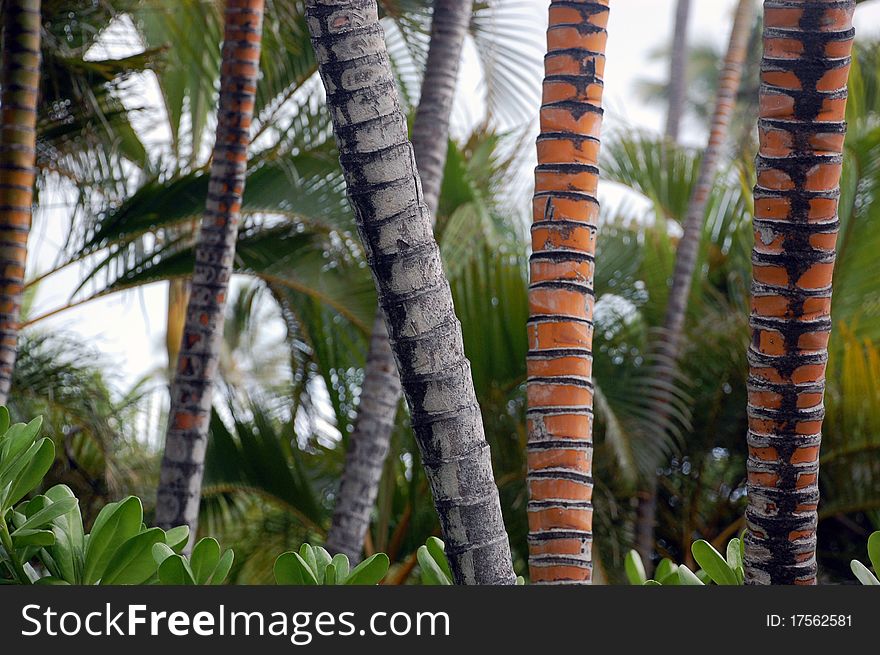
(380,394)
(807,46)
(560,329)
(395,226)
(191,389)
(669,342)
(678,71)
(20,83)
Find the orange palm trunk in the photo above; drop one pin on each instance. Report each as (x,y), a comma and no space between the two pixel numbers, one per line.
(807,46)
(560,329)
(20,81)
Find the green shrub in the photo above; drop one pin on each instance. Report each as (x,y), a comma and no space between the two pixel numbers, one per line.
(714,568)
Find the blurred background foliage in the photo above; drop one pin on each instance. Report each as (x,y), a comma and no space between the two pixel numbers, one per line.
(296,332)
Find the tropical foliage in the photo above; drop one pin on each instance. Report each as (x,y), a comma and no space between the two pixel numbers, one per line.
(134,179)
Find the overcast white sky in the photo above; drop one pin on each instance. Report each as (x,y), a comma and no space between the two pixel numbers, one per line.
(129,328)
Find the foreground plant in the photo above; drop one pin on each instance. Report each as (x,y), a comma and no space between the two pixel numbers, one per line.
(714,567)
(862,572)
(314,565)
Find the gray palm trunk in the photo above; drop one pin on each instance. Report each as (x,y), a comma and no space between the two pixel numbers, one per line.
(678,71)
(183,462)
(669,342)
(369,442)
(425,335)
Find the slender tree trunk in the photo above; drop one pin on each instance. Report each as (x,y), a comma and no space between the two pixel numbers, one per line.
(380,395)
(20,82)
(678,71)
(669,344)
(395,226)
(801,132)
(191,389)
(560,328)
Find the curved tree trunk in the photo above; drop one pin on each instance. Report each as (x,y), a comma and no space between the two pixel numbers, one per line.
(560,329)
(801,130)
(183,463)
(669,343)
(395,226)
(380,395)
(20,83)
(678,71)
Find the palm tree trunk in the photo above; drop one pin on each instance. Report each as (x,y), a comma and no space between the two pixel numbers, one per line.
(180,479)
(669,343)
(801,131)
(560,329)
(369,443)
(395,226)
(678,71)
(20,83)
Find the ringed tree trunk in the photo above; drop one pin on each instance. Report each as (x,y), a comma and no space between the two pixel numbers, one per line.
(801,130)
(20,82)
(560,329)
(669,343)
(369,442)
(183,462)
(425,336)
(678,71)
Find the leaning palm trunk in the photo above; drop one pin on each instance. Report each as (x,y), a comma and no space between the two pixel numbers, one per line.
(678,71)
(191,389)
(807,47)
(20,82)
(395,226)
(669,343)
(380,396)
(560,329)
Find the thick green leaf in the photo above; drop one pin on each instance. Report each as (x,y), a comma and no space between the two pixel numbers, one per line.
(40,458)
(634,568)
(874,550)
(330,576)
(175,571)
(653,583)
(177,537)
(116,524)
(343,567)
(665,568)
(438,551)
(161,552)
(863,573)
(223,568)
(322,561)
(370,571)
(4,420)
(711,561)
(288,570)
(204,559)
(307,553)
(687,577)
(19,438)
(734,553)
(65,558)
(25,538)
(50,580)
(432,574)
(50,512)
(133,562)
